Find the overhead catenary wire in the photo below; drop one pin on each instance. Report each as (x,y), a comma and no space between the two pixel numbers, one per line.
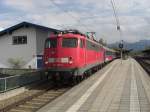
(116,18)
(115,14)
(118,28)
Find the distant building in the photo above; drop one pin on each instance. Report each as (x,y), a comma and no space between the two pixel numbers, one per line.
(25,42)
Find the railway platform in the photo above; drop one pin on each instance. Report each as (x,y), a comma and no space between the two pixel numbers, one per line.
(119,87)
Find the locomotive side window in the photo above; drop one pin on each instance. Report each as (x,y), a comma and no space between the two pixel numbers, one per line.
(51,43)
(92,46)
(69,42)
(81,43)
(88,44)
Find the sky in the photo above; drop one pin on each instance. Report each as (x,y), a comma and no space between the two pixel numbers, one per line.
(84,15)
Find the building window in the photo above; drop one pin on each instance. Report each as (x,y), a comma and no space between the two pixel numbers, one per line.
(19,40)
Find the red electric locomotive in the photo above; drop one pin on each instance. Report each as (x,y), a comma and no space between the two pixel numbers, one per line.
(71,54)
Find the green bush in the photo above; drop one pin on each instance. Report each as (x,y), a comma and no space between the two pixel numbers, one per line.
(16,62)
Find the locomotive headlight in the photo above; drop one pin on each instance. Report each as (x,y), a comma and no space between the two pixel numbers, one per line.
(107,59)
(46,62)
(70,60)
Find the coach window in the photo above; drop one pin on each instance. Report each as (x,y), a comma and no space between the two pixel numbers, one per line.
(81,43)
(69,42)
(108,53)
(19,40)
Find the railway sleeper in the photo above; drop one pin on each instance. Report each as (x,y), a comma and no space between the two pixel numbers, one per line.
(51,94)
(36,103)
(21,110)
(40,100)
(29,106)
(17,110)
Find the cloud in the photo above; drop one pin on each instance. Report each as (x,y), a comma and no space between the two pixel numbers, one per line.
(85,15)
(20,5)
(1,29)
(5,23)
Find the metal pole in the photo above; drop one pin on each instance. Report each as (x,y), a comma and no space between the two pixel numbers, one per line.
(121,50)
(121,55)
(5,84)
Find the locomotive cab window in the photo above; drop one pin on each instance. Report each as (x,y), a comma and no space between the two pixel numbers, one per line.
(51,43)
(69,42)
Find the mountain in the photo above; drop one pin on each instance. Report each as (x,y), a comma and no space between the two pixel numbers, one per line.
(136,46)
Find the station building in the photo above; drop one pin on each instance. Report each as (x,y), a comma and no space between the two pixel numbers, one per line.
(23,42)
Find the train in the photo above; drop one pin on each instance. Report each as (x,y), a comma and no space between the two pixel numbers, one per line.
(72,56)
(110,54)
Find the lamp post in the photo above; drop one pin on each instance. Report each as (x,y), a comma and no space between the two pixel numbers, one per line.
(121,49)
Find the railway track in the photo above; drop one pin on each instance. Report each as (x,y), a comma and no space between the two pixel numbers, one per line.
(37,98)
(145,63)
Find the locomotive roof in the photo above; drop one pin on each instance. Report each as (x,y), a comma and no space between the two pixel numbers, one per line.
(82,36)
(75,33)
(70,34)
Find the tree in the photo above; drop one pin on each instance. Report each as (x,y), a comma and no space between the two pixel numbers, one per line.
(101,41)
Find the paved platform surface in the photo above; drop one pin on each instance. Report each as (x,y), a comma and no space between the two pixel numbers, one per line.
(119,87)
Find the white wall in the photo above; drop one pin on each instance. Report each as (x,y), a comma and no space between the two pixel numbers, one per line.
(41,36)
(24,51)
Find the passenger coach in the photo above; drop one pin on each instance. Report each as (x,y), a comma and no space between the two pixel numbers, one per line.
(110,54)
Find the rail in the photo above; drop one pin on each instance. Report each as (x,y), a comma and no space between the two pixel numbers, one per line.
(144,62)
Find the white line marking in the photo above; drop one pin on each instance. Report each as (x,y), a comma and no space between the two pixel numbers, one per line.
(84,97)
(134,100)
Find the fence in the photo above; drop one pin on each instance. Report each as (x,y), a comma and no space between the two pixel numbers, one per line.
(15,71)
(12,82)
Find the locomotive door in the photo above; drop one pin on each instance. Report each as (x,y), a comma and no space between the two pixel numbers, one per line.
(82,59)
